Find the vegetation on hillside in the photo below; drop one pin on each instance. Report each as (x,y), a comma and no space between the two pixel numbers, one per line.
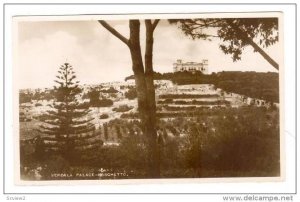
(96,101)
(224,142)
(251,84)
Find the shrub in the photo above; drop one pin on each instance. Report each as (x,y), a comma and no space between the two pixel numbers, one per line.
(38,104)
(113,95)
(102,103)
(110,90)
(131,94)
(84,105)
(104,116)
(25,97)
(94,97)
(122,108)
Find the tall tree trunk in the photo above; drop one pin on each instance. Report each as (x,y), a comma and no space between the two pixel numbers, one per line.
(144,86)
(151,98)
(146,110)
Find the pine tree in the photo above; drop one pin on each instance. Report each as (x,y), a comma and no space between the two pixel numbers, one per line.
(67,127)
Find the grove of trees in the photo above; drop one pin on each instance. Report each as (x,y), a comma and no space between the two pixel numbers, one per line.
(238,32)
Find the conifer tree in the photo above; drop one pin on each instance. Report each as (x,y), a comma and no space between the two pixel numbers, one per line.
(67,127)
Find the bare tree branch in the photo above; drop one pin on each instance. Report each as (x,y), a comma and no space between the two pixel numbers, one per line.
(114,32)
(151,26)
(155,23)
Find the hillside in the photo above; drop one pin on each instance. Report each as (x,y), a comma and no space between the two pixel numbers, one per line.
(251,84)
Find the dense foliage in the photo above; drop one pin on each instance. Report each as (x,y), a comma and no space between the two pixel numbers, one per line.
(95,100)
(131,94)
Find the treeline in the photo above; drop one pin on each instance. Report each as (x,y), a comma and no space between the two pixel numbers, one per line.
(187,96)
(193,102)
(252,84)
(181,78)
(28,97)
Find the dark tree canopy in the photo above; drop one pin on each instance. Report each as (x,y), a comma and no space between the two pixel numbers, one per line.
(235,33)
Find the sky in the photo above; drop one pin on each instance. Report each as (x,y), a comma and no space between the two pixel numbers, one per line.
(97,56)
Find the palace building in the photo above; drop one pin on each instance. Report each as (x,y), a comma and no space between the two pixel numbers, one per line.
(180,66)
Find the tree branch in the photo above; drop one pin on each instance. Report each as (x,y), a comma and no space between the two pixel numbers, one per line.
(114,32)
(254,45)
(155,24)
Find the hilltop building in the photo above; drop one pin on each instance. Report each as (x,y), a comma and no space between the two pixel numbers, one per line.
(180,66)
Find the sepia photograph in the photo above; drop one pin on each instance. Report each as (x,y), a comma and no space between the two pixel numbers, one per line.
(181,96)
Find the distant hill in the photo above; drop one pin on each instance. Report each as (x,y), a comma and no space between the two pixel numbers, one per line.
(252,84)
